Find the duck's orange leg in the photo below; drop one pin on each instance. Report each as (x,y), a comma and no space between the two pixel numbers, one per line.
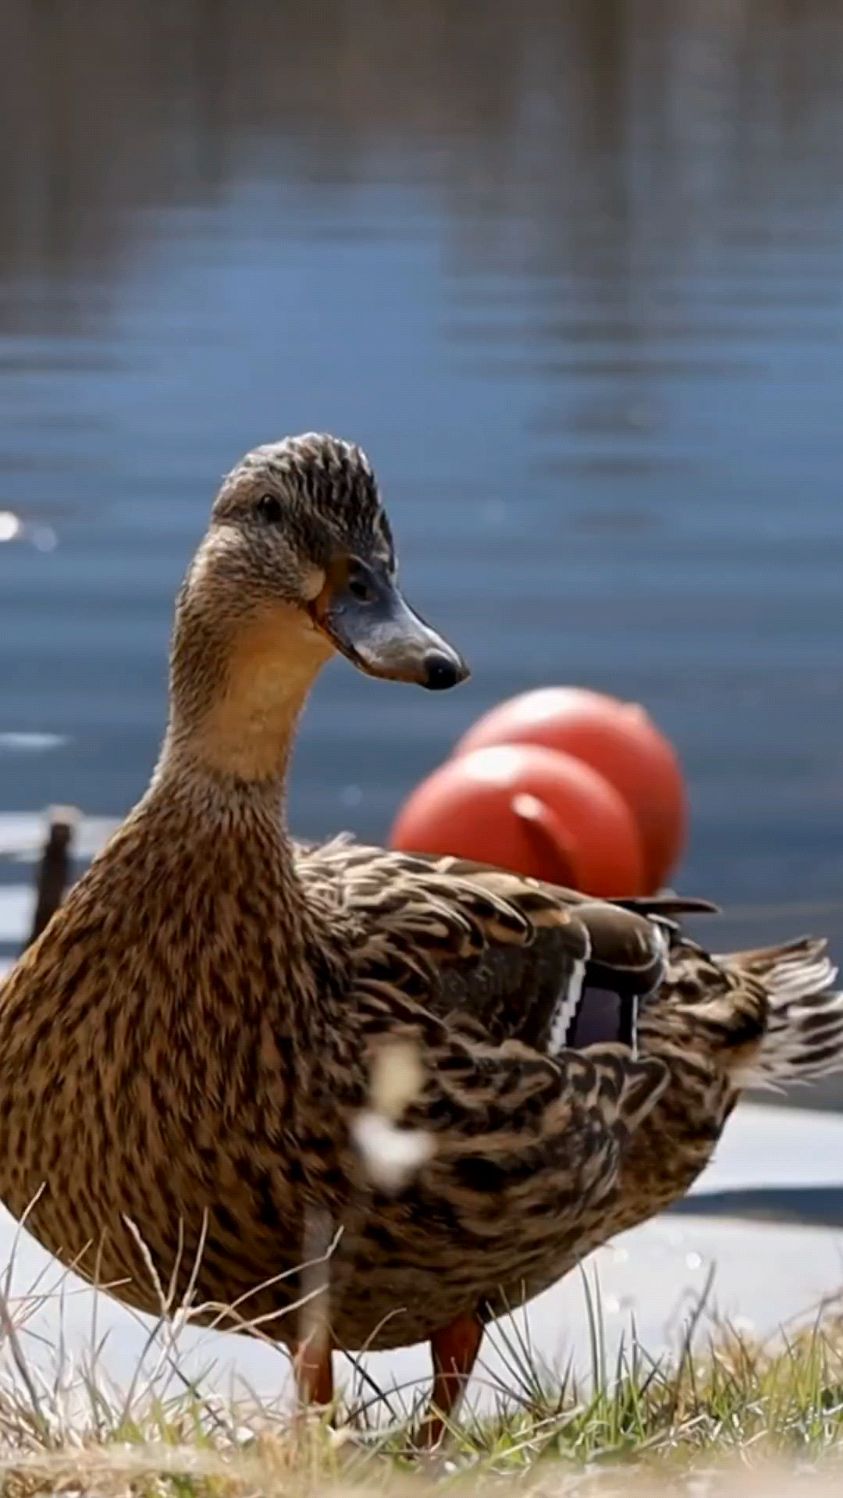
(454,1350)
(314,1371)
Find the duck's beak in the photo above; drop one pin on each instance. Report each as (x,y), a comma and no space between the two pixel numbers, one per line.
(364,614)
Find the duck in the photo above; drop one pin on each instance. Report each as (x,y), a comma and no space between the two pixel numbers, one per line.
(341,1096)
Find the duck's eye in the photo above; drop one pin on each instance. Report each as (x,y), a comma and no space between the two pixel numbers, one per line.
(359,586)
(269,509)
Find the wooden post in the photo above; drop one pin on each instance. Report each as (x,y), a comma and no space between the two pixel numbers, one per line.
(54,868)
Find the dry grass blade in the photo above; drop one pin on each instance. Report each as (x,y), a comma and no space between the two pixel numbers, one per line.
(172,1430)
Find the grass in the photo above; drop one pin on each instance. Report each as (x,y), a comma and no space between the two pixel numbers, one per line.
(725,1410)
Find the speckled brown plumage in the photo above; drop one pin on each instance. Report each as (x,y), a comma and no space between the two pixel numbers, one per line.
(718,1024)
(187,1050)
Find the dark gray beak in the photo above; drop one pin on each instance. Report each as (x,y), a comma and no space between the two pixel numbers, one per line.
(366,617)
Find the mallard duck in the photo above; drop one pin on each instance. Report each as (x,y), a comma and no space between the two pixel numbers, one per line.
(188,1051)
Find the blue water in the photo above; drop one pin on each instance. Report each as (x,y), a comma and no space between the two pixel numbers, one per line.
(572,274)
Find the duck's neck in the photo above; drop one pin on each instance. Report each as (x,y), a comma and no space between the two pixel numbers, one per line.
(237,689)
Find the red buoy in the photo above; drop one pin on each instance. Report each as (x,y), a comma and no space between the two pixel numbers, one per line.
(530,809)
(617,739)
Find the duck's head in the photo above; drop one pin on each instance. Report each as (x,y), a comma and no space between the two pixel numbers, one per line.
(297,563)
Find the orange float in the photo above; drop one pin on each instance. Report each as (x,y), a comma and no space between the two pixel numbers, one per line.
(617,739)
(530,809)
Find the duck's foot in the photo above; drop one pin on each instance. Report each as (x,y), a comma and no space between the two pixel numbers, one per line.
(454,1350)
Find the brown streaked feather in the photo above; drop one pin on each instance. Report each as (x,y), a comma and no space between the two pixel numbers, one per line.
(667,905)
(203,1033)
(712,1022)
(500,948)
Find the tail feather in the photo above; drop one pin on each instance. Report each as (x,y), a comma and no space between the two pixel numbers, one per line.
(804,1035)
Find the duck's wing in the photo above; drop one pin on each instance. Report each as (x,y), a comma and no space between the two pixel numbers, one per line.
(477,975)
(498,955)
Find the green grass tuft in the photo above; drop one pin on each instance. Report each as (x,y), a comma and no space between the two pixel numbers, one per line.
(634,1424)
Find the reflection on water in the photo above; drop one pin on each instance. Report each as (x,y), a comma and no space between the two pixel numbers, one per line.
(573,275)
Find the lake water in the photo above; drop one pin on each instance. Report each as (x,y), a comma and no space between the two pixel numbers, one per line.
(573,274)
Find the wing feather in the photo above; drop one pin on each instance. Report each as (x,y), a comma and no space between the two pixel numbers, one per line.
(491,952)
